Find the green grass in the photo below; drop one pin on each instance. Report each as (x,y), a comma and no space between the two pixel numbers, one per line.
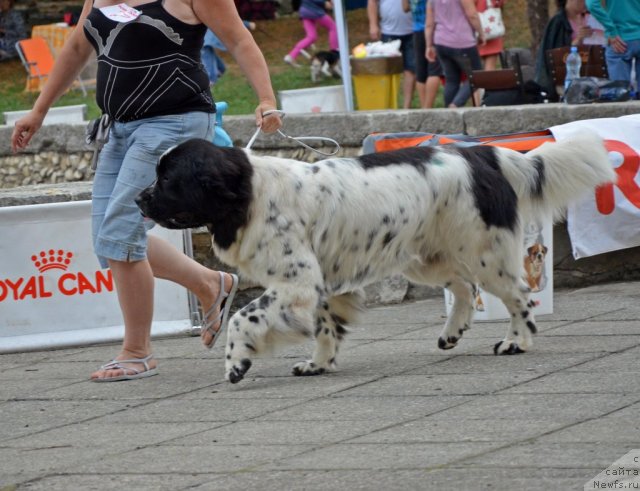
(233,87)
(13,97)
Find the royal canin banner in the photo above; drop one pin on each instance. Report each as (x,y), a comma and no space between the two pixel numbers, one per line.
(52,290)
(608,219)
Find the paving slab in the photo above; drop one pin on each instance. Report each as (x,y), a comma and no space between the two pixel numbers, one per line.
(21,418)
(366,408)
(383,456)
(458,478)
(621,382)
(550,407)
(398,413)
(597,431)
(553,455)
(193,458)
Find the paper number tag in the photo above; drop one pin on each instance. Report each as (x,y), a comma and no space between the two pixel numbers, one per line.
(120,13)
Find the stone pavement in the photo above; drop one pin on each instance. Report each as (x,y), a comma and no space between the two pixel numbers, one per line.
(398,413)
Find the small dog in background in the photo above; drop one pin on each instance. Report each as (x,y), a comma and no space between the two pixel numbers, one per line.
(325,64)
(533,265)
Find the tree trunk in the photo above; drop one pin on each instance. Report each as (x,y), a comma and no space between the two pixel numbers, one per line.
(538,15)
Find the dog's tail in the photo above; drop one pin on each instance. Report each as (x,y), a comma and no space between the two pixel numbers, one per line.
(346,308)
(553,175)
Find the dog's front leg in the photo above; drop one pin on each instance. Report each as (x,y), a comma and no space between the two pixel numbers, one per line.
(244,329)
(283,314)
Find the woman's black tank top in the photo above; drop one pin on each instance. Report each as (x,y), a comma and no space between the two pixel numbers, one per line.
(149,66)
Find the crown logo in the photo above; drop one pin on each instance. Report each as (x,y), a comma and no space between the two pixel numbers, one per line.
(52,259)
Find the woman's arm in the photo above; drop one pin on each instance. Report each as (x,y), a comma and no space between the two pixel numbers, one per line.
(429,28)
(611,30)
(374,19)
(222,18)
(469,7)
(70,61)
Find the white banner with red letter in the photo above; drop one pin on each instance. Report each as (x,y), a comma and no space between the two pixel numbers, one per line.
(608,219)
(53,292)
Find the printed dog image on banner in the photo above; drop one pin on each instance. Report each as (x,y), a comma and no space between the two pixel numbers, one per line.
(534,261)
(315,234)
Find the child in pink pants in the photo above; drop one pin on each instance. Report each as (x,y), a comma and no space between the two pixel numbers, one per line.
(313,14)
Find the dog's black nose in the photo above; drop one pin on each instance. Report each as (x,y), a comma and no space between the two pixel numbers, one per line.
(141,201)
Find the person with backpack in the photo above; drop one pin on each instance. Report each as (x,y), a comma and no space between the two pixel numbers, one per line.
(313,13)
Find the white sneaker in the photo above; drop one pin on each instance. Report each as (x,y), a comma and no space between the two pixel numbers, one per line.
(291,61)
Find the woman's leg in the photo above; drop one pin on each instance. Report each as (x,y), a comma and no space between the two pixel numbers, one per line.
(135,286)
(451,74)
(618,64)
(310,38)
(466,59)
(126,166)
(490,62)
(168,263)
(328,23)
(431,91)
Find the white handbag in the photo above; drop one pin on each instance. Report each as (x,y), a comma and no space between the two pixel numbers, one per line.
(491,22)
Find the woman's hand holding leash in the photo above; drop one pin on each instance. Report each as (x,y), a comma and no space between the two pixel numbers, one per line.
(268,119)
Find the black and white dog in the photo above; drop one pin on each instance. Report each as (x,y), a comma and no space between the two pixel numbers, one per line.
(313,234)
(325,64)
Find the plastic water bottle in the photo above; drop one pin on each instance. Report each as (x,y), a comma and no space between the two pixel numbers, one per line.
(573,63)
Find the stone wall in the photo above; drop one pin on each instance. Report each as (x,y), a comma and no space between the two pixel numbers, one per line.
(58,153)
(45,167)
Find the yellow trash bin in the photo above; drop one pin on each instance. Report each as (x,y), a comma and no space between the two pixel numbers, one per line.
(376,81)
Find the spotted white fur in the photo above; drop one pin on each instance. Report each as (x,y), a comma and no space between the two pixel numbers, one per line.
(316,233)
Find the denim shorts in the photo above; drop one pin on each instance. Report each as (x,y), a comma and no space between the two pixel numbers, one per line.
(619,65)
(424,67)
(126,166)
(406,48)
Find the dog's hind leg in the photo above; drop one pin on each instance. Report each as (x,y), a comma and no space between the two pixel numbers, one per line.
(463,290)
(500,273)
(460,318)
(332,316)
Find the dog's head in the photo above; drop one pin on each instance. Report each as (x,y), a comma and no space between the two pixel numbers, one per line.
(200,184)
(537,253)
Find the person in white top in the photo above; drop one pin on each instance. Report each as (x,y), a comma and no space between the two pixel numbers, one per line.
(388,21)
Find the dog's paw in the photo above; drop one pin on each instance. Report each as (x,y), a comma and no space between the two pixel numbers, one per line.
(449,342)
(304,368)
(236,372)
(507,347)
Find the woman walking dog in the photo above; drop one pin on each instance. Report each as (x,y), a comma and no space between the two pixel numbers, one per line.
(153,90)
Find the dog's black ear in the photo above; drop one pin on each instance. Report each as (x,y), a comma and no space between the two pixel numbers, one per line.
(544,249)
(225,184)
(530,250)
(226,173)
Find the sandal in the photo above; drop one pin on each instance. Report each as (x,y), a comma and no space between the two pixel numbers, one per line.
(130,373)
(223,301)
